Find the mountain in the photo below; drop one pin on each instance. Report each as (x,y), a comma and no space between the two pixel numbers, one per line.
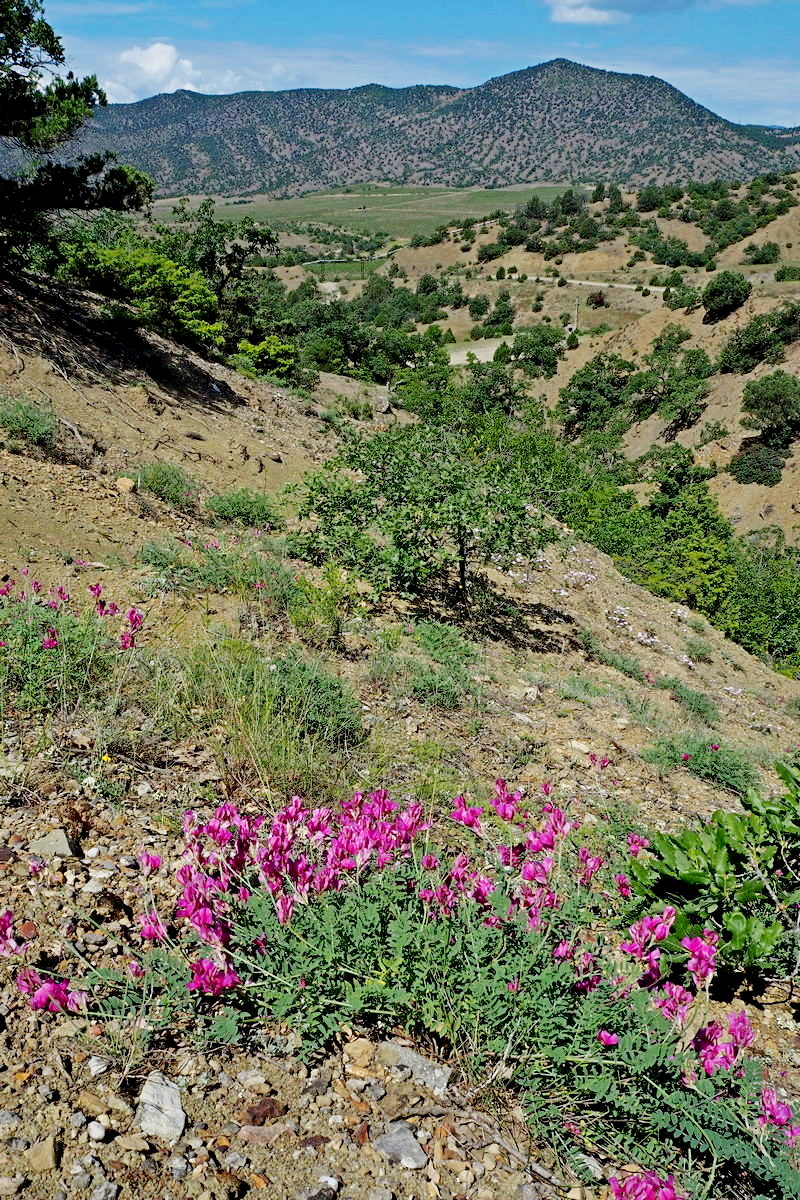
(557,121)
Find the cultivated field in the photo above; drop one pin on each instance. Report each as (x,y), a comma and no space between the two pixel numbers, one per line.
(397,211)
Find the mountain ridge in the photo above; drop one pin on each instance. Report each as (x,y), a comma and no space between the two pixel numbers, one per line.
(555,121)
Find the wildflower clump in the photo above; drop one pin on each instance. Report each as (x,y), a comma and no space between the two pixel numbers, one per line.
(525,949)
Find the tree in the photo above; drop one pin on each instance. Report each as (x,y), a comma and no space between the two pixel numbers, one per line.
(725,293)
(774,403)
(537,351)
(41,111)
(424,502)
(594,394)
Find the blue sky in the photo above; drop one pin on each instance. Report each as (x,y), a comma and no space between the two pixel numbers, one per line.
(739,57)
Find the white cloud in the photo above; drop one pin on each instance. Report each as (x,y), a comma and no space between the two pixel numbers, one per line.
(578,12)
(144,70)
(572,12)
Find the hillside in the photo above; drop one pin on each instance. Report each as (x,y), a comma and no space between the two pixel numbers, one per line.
(557,121)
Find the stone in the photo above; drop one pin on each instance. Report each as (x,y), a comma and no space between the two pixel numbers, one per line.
(125,485)
(11,1184)
(327,1188)
(178,1166)
(262,1135)
(132,1142)
(581,747)
(105,1191)
(359,1052)
(8,1120)
(234,1161)
(430,1075)
(56,844)
(401,1146)
(254,1081)
(160,1112)
(380,1193)
(43,1156)
(97,1065)
(91,1103)
(96,1131)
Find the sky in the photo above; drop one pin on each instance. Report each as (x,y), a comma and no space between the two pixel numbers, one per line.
(741,58)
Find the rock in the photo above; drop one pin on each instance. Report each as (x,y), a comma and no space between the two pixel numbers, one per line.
(400,1145)
(523,719)
(96,1131)
(125,485)
(318,1083)
(97,1065)
(8,1120)
(178,1166)
(326,1189)
(55,844)
(262,1135)
(91,1103)
(581,747)
(431,1075)
(11,1184)
(234,1161)
(132,1142)
(105,1191)
(359,1052)
(253,1080)
(160,1113)
(43,1156)
(380,1193)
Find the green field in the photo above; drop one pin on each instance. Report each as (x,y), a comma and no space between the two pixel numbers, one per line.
(400,212)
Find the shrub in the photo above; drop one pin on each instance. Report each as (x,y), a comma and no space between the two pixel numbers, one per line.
(789,273)
(762,339)
(762,255)
(272,356)
(774,404)
(436,686)
(21,418)
(724,766)
(161,294)
(757,463)
(444,644)
(320,612)
(245,507)
(739,874)
(725,293)
(169,483)
(699,650)
(698,704)
(51,659)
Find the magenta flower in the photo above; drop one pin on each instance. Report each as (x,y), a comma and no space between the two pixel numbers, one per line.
(429,862)
(645,1185)
(607,1039)
(50,640)
(151,927)
(8,941)
(513,984)
(284,907)
(590,864)
(636,844)
(563,950)
(623,886)
(210,978)
(95,589)
(685,757)
(470,817)
(675,1003)
(149,862)
(702,956)
(50,995)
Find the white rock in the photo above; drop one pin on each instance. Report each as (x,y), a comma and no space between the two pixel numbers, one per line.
(160,1113)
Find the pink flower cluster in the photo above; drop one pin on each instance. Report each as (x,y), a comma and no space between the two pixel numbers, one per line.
(51,995)
(717,1054)
(645,1185)
(303,852)
(702,956)
(643,945)
(8,940)
(778,1115)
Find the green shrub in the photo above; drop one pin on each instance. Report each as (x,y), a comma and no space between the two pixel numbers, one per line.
(725,293)
(763,339)
(248,571)
(320,612)
(789,273)
(624,663)
(700,650)
(436,686)
(757,463)
(774,404)
(739,874)
(37,676)
(444,644)
(162,294)
(272,356)
(762,255)
(245,507)
(698,704)
(169,483)
(21,418)
(726,766)
(316,701)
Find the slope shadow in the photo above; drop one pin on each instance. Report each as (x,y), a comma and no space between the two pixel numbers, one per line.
(64,325)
